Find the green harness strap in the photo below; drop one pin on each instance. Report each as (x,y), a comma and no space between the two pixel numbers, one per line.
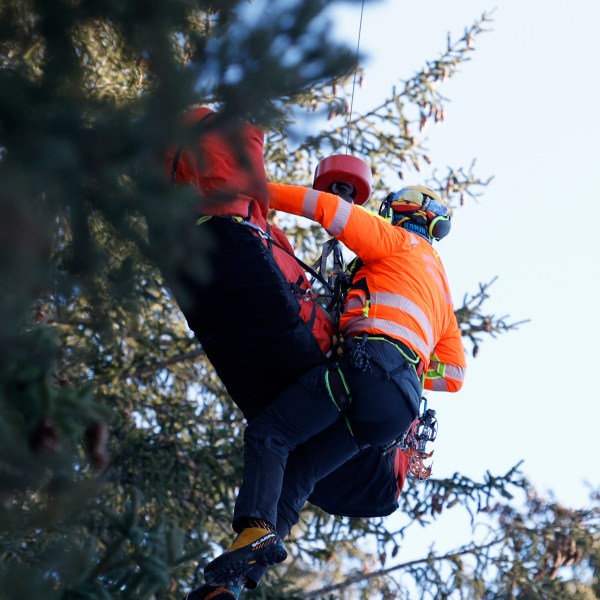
(414,361)
(339,392)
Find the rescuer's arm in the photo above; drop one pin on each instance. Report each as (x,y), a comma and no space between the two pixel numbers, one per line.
(365,233)
(447,368)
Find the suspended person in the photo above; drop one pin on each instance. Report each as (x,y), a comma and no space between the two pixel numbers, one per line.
(242,294)
(399,326)
(253,311)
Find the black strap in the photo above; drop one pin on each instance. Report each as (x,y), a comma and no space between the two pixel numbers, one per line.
(338,279)
(272,240)
(296,287)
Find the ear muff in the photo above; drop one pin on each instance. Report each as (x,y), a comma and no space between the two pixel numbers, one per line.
(440,227)
(385,210)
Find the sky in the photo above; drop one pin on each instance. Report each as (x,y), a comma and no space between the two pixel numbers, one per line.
(526,108)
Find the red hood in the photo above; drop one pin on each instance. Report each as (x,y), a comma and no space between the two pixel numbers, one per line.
(225,166)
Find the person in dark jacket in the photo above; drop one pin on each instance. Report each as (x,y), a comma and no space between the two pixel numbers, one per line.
(255,314)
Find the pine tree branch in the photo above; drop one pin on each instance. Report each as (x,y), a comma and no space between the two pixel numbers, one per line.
(419,89)
(162,364)
(470,549)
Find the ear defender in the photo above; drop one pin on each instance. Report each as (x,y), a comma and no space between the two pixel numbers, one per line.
(415,205)
(440,227)
(385,210)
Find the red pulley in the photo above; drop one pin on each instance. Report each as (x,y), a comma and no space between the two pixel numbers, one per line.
(346,176)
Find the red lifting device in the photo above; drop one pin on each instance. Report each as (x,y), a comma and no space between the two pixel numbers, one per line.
(347,176)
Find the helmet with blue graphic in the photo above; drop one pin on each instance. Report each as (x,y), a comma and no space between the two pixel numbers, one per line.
(418,209)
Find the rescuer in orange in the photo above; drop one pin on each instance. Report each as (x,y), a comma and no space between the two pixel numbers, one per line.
(399,287)
(400,335)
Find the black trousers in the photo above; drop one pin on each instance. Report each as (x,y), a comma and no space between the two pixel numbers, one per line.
(302,437)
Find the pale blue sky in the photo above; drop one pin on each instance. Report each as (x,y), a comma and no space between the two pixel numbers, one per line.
(526,107)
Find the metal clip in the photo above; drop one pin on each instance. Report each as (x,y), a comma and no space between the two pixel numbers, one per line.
(359,357)
(423,430)
(263,234)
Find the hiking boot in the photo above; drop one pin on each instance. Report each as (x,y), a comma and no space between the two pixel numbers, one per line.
(253,546)
(220,592)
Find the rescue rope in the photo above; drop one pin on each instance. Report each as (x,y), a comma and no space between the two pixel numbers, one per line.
(362,9)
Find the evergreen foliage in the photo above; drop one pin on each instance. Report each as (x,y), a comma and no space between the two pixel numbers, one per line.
(120,450)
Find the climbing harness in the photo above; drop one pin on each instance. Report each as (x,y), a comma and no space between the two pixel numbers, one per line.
(266,236)
(337,278)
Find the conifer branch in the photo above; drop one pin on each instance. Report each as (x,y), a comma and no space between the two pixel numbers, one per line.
(468,549)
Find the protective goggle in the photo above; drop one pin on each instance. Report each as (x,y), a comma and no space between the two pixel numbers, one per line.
(409,200)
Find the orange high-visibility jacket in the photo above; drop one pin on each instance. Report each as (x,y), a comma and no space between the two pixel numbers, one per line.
(407,295)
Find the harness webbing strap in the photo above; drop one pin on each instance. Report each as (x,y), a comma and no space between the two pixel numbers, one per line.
(338,388)
(272,240)
(337,278)
(339,392)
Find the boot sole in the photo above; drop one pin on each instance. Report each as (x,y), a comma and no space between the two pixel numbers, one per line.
(206,591)
(229,567)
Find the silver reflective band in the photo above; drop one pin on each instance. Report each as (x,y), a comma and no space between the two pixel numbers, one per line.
(408,306)
(359,325)
(456,373)
(439,385)
(340,219)
(309,203)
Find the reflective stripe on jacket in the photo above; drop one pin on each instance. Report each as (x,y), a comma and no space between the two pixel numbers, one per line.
(406,295)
